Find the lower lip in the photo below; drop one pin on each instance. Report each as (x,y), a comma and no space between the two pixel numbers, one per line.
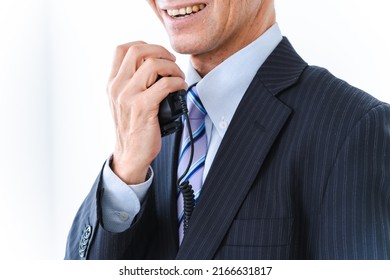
(181,22)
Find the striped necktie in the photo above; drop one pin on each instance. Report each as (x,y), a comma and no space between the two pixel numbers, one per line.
(196,113)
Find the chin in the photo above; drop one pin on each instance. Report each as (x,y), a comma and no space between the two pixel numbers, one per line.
(182,49)
(191,48)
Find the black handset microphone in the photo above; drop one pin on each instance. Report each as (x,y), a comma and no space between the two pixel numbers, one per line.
(171,109)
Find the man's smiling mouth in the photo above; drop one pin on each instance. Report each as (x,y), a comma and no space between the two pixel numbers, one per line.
(185,11)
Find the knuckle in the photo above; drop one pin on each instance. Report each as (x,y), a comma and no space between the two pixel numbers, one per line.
(125,102)
(112,88)
(150,62)
(121,49)
(120,100)
(164,83)
(135,50)
(126,46)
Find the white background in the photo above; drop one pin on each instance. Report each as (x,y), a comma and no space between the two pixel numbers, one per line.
(56,128)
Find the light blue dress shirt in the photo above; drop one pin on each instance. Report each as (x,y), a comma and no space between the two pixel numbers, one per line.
(221,91)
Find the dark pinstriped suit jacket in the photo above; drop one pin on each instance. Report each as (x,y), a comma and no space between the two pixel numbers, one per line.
(303,172)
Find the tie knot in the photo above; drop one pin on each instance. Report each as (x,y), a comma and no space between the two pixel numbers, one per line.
(196,109)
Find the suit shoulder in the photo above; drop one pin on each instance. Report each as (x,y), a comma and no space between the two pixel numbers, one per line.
(335,91)
(327,104)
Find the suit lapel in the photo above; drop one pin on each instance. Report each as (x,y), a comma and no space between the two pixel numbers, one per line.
(255,126)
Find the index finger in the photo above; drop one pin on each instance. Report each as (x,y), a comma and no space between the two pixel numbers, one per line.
(120,53)
(136,55)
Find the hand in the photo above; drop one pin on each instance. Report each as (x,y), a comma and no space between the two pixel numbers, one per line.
(134,99)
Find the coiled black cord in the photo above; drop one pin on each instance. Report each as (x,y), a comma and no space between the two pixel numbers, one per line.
(185,187)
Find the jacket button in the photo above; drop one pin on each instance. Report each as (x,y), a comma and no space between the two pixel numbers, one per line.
(87,232)
(84,240)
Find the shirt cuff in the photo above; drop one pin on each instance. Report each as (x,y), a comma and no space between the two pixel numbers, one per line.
(121,202)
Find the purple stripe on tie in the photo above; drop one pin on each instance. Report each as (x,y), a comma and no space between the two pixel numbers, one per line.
(196,135)
(196,113)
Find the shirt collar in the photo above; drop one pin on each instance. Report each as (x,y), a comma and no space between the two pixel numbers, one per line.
(227,83)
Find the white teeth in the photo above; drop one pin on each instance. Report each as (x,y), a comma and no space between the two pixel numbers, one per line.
(175,13)
(186,10)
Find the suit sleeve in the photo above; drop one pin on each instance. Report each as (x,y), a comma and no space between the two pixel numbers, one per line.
(354,222)
(88,239)
(121,202)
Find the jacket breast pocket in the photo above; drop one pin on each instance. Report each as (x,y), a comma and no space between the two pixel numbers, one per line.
(257,239)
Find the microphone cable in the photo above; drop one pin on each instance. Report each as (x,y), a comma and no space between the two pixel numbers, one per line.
(185,187)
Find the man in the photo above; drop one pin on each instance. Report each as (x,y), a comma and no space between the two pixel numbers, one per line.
(297,163)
